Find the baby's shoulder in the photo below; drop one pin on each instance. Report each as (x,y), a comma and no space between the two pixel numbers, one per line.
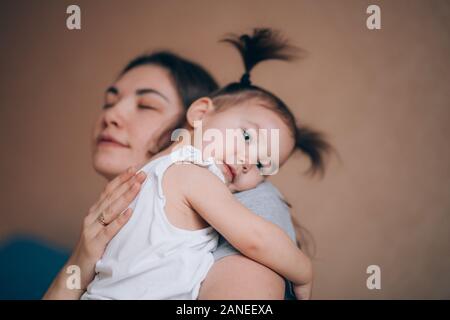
(189,176)
(188,171)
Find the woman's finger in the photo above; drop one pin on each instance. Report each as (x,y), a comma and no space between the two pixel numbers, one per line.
(103,201)
(122,189)
(126,192)
(123,202)
(108,232)
(117,182)
(117,207)
(110,211)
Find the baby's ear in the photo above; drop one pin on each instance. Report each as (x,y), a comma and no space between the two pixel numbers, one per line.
(198,110)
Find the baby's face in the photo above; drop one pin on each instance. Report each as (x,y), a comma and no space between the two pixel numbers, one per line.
(249,141)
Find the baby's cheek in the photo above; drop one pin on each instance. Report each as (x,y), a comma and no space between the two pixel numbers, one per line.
(248,181)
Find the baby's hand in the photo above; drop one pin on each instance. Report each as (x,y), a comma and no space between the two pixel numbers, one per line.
(303,292)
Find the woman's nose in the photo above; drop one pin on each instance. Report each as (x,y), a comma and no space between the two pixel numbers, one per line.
(111,119)
(115,115)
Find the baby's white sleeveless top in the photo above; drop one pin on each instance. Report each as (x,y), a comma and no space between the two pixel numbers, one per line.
(150,258)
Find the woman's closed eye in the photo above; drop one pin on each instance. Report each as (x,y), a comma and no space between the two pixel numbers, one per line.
(145,106)
(111,98)
(107,105)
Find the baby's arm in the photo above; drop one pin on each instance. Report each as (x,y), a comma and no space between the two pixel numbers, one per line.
(253,236)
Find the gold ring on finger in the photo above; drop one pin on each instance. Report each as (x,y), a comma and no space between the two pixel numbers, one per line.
(101,219)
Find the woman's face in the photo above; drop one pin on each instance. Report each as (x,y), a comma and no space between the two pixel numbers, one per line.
(141,109)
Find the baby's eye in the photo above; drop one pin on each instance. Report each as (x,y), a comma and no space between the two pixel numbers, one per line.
(259,165)
(246,135)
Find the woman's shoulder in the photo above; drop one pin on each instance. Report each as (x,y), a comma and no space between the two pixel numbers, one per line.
(264,190)
(267,202)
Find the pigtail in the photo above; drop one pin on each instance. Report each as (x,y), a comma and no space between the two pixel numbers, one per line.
(263,44)
(313,144)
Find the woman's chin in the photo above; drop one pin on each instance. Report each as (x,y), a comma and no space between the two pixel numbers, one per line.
(108,168)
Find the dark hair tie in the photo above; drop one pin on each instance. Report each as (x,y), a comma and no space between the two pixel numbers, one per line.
(245,80)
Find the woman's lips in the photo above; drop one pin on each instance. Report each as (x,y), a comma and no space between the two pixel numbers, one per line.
(107,141)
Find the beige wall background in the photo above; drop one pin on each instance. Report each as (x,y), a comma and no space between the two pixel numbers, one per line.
(382,96)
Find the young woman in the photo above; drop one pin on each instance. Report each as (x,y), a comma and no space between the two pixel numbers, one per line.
(143,106)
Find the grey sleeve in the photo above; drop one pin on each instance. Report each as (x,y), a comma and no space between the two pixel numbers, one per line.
(265,201)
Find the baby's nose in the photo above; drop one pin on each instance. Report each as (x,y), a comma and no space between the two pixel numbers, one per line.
(246,167)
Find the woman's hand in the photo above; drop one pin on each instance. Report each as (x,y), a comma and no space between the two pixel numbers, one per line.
(103,221)
(303,292)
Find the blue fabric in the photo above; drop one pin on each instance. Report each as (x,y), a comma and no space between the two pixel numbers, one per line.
(27,267)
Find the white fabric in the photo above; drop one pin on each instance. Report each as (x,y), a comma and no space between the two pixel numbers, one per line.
(150,258)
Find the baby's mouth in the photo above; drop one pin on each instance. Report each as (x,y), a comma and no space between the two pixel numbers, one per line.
(229,171)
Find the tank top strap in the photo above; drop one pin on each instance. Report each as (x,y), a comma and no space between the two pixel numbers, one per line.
(186,154)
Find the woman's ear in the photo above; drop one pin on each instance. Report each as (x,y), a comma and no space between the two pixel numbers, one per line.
(198,110)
